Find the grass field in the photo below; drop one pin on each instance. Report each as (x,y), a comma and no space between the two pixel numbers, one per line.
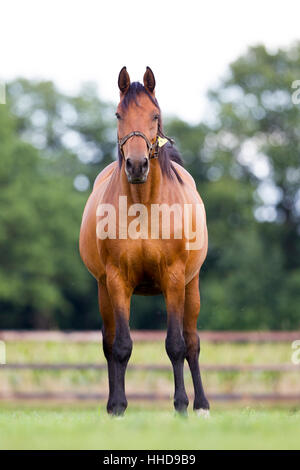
(147,426)
(90,428)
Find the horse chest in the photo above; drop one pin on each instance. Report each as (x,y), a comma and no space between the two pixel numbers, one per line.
(143,256)
(143,263)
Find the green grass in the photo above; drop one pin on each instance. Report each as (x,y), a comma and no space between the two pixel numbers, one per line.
(85,426)
(23,427)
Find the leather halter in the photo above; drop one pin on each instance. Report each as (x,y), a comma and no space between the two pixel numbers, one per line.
(152,148)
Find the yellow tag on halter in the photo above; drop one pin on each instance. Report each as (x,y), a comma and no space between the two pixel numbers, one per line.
(161,141)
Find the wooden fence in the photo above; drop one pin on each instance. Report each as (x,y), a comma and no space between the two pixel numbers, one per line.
(150,336)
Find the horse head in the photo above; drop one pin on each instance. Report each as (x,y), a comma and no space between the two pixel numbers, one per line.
(139,121)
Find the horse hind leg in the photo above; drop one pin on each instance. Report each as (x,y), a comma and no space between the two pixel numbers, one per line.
(191,311)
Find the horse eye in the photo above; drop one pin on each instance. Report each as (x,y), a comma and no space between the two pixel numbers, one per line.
(155,118)
(118,116)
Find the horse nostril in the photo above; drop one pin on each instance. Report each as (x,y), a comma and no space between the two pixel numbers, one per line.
(129,164)
(137,168)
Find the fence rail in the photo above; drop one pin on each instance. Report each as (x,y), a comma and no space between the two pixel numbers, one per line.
(150,336)
(156,367)
(152,397)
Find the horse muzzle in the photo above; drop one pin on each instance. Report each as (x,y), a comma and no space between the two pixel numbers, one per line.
(137,170)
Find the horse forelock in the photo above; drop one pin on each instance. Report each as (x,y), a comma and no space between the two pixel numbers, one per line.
(135,89)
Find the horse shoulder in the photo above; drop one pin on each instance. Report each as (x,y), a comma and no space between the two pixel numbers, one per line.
(185,175)
(190,189)
(105,173)
(87,241)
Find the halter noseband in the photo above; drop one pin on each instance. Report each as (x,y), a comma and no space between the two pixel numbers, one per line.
(152,148)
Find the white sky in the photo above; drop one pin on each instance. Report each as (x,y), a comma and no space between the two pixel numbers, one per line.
(188,44)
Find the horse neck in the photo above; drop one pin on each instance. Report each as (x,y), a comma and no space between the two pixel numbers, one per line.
(144,193)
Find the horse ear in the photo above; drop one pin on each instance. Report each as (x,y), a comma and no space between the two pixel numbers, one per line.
(123,80)
(149,80)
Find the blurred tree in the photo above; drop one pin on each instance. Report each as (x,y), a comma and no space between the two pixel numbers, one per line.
(50,152)
(60,126)
(250,161)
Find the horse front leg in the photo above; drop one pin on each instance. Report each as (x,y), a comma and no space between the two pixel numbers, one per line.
(174,291)
(120,295)
(108,336)
(191,312)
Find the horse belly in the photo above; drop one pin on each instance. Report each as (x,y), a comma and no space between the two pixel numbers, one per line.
(153,258)
(147,286)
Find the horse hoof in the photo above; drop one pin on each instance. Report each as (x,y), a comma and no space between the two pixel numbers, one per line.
(117,410)
(116,407)
(181,404)
(182,413)
(117,416)
(203,413)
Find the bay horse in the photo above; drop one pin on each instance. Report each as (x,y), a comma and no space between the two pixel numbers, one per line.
(148,174)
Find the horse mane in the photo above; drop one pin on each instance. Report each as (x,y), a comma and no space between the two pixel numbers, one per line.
(168,153)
